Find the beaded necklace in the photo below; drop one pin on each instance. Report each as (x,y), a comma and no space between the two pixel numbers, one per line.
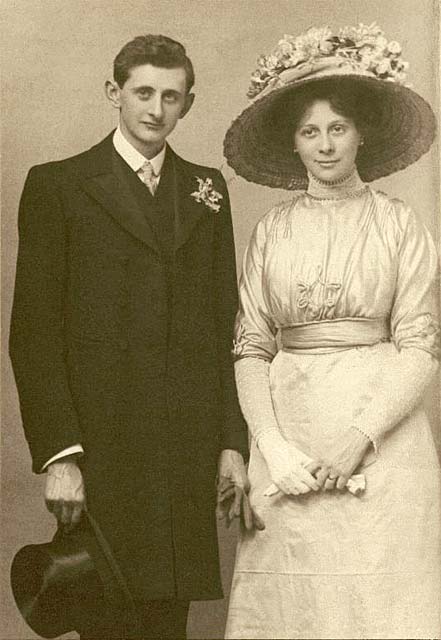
(347,187)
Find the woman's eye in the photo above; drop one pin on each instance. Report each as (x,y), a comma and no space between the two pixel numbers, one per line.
(338,128)
(308,133)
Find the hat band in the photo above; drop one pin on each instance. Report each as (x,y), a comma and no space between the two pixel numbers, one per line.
(320,68)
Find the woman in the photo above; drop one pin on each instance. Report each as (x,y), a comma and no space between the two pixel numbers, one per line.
(336,341)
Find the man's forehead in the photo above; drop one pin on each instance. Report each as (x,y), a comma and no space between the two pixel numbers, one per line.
(160,77)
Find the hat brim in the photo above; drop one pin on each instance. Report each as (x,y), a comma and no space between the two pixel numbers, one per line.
(56,585)
(259,146)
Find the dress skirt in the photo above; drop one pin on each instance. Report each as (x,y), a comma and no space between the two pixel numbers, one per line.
(331,564)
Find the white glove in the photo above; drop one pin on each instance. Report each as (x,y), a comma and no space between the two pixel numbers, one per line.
(286,464)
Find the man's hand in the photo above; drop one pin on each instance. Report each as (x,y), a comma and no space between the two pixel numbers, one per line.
(64,493)
(232,491)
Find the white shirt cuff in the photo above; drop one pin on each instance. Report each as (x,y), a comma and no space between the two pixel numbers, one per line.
(75,448)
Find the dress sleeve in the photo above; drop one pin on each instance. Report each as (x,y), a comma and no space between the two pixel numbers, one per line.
(255,331)
(414,328)
(414,321)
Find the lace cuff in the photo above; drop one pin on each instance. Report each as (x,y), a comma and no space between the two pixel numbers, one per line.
(423,334)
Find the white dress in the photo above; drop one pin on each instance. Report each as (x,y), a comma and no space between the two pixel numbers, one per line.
(330,564)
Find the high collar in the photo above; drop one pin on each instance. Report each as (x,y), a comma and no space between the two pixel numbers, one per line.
(133,157)
(347,187)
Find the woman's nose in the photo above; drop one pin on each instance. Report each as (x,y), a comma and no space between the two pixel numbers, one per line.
(326,144)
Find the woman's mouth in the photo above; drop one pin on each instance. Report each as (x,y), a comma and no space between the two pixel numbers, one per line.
(327,163)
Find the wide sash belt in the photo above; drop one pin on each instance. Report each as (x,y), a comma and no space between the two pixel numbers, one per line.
(342,333)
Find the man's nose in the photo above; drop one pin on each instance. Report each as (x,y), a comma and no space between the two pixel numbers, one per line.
(155,106)
(326,144)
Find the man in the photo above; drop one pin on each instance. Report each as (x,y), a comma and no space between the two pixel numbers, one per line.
(121,332)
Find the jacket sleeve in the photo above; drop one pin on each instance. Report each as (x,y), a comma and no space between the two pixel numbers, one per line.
(37,347)
(234,434)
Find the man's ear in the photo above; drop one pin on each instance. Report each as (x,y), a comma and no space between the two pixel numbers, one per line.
(189,99)
(112,92)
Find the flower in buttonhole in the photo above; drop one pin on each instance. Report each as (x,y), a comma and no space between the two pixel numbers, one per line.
(207,195)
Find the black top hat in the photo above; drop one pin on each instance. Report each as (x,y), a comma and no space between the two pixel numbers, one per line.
(60,586)
(56,585)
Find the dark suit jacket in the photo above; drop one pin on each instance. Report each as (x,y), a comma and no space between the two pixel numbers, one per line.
(117,348)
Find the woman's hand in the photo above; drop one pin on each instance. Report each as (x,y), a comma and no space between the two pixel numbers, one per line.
(342,459)
(286,464)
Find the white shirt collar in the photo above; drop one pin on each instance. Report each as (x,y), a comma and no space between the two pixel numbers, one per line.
(134,159)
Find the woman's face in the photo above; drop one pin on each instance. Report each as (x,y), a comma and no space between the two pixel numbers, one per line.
(327,142)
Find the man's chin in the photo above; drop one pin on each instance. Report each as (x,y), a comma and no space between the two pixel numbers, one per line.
(156,140)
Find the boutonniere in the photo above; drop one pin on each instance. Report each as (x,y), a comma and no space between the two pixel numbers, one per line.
(207,194)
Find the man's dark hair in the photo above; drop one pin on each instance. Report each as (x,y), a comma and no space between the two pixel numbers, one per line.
(156,50)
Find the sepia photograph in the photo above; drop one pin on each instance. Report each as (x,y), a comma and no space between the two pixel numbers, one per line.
(221,411)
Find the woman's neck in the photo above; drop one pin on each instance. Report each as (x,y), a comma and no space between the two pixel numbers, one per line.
(346,187)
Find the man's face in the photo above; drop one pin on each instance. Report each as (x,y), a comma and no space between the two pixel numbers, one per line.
(151,102)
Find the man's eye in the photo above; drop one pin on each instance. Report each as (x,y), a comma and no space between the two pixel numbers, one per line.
(170,98)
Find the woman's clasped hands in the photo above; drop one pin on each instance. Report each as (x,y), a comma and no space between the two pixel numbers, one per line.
(287,465)
(294,473)
(342,459)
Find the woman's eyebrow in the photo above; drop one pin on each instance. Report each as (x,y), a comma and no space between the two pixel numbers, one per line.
(329,124)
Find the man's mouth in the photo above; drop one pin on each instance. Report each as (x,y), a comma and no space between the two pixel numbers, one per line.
(153,125)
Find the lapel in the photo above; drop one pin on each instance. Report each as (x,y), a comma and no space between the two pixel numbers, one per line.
(101,178)
(188,212)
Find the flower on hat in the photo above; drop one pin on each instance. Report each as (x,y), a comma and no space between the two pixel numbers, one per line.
(394,47)
(365,47)
(207,194)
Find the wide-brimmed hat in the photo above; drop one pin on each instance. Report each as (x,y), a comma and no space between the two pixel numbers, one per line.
(259,143)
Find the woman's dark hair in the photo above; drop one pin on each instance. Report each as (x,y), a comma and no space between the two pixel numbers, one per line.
(156,50)
(355,103)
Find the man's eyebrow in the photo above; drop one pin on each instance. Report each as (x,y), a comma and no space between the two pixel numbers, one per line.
(142,87)
(146,87)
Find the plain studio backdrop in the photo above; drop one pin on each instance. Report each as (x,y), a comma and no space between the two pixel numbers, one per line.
(57,55)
